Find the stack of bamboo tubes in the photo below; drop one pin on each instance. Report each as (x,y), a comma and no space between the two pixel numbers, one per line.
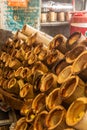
(45,79)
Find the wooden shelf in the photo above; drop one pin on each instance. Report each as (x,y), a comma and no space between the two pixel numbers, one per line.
(54,23)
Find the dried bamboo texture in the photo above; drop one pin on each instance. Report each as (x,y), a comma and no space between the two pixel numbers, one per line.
(43,77)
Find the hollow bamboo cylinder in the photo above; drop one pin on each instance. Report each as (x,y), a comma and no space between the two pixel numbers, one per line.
(80,66)
(13,86)
(73,88)
(53,99)
(71,55)
(26,107)
(59,66)
(39,123)
(14,63)
(53,57)
(39,66)
(77,114)
(21,124)
(59,42)
(55,119)
(38,103)
(48,82)
(27,91)
(74,39)
(64,74)
(20,35)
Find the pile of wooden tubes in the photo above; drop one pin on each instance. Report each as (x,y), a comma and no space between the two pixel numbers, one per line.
(45,79)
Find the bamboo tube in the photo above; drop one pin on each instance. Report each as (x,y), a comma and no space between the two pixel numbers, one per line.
(37,74)
(36,80)
(25,72)
(13,86)
(20,83)
(18,71)
(20,35)
(40,38)
(59,42)
(18,44)
(53,57)
(32,58)
(5,85)
(42,54)
(83,43)
(39,123)
(48,82)
(14,63)
(1,80)
(38,48)
(39,66)
(38,103)
(21,124)
(30,116)
(64,74)
(53,99)
(59,66)
(27,55)
(28,30)
(73,88)
(2,55)
(26,48)
(43,38)
(26,107)
(71,55)
(7,62)
(10,74)
(1,72)
(27,91)
(74,39)
(80,66)
(31,40)
(55,119)
(19,54)
(7,56)
(77,114)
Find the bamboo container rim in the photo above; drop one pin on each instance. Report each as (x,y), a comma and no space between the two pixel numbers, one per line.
(57,108)
(64,79)
(64,85)
(82,103)
(79,67)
